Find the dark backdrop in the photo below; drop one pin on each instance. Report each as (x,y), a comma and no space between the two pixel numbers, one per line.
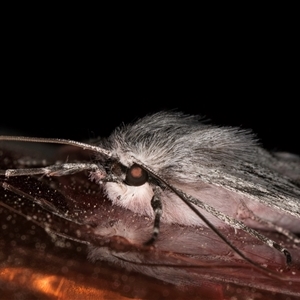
(82,111)
(83,83)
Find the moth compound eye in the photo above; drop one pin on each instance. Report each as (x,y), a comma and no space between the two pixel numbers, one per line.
(136,176)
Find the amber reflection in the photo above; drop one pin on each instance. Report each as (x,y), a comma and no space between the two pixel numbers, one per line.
(54,286)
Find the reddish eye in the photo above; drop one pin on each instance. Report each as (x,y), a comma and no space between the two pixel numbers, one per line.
(136,176)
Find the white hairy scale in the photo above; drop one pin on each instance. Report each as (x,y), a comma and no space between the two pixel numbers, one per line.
(221,166)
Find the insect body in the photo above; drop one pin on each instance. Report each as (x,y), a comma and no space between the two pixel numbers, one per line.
(173,169)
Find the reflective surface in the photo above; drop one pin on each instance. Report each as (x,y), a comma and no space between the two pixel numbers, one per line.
(60,239)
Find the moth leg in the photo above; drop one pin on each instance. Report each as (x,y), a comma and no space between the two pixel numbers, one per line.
(54,170)
(157,208)
(271,225)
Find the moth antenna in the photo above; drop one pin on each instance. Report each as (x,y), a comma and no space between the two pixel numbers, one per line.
(230,221)
(83,146)
(188,200)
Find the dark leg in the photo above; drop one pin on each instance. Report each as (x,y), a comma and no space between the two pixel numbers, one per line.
(157,208)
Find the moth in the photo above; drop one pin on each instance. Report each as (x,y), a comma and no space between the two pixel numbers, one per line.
(174,172)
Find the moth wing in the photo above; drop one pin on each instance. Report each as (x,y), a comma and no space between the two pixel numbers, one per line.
(270,180)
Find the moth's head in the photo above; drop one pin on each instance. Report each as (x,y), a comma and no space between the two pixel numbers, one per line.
(114,171)
(130,187)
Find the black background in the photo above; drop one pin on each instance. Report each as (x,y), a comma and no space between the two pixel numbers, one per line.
(276,125)
(80,83)
(82,108)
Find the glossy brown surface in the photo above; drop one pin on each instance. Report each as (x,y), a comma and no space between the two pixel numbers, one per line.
(37,263)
